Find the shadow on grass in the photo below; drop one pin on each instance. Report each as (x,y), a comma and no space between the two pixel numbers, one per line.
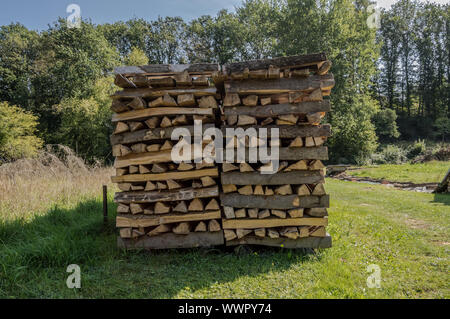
(442,198)
(35,254)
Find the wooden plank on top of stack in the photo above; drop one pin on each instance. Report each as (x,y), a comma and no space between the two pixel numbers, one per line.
(288,208)
(163,204)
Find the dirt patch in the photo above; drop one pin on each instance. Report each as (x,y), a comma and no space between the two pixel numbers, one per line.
(417,223)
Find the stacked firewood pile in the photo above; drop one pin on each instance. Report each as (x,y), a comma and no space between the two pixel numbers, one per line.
(163,204)
(288,208)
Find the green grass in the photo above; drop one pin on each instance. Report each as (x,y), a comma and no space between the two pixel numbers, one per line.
(430,172)
(405,233)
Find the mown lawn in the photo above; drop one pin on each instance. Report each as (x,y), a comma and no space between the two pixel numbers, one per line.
(405,233)
(430,172)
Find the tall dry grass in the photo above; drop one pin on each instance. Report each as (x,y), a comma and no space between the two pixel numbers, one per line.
(56,177)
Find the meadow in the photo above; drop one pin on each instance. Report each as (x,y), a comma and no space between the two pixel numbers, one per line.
(51,216)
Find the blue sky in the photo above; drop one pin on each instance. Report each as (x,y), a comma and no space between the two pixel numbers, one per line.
(37,14)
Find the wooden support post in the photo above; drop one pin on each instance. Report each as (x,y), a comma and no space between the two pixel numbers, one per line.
(105,204)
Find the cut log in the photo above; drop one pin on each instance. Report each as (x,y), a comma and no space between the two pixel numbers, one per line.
(265,213)
(121,127)
(208,102)
(258,190)
(182,229)
(229,188)
(229,234)
(231,100)
(258,74)
(255,178)
(134,126)
(200,81)
(246,190)
(119,107)
(281,62)
(274,201)
(213,226)
(232,119)
(288,153)
(250,100)
(252,212)
(137,103)
(124,209)
(133,169)
(228,167)
(180,120)
(196,205)
(244,167)
(273,72)
(283,190)
(156,102)
(315,118)
(326,66)
(136,208)
(181,207)
(319,140)
(166,146)
(298,142)
(123,82)
(319,190)
(137,188)
(153,122)
(213,172)
(159,168)
(241,233)
(272,233)
(282,85)
(260,232)
(265,101)
(272,222)
(161,229)
(290,119)
(291,131)
(300,73)
(240,213)
(162,82)
(201,227)
(303,190)
(125,232)
(121,171)
(185,166)
(295,213)
(139,148)
(207,181)
(143,169)
(298,166)
(186,100)
(315,95)
(229,212)
(246,120)
(150,186)
(279,213)
(124,186)
(316,165)
(316,212)
(309,142)
(161,208)
(290,232)
(171,184)
(268,191)
(212,205)
(165,122)
(183,79)
(161,186)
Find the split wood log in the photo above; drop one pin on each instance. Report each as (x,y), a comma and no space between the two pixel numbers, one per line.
(137,103)
(316,212)
(166,82)
(241,233)
(283,190)
(201,227)
(172,241)
(161,208)
(124,209)
(125,232)
(286,153)
(274,201)
(196,205)
(168,69)
(207,102)
(296,212)
(152,93)
(282,85)
(272,222)
(119,107)
(183,79)
(123,82)
(265,213)
(250,100)
(160,111)
(161,229)
(279,213)
(139,148)
(229,188)
(246,190)
(272,233)
(260,232)
(326,66)
(213,226)
(121,127)
(182,229)
(186,100)
(240,213)
(212,205)
(229,212)
(255,178)
(229,234)
(252,212)
(231,100)
(154,220)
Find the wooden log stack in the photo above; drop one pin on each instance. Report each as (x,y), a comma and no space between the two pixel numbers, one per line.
(162,204)
(288,208)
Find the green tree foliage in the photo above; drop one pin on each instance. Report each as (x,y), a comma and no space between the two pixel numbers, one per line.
(86,122)
(17,52)
(17,133)
(136,57)
(385,122)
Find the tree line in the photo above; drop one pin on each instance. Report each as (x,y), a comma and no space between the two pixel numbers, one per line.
(391,82)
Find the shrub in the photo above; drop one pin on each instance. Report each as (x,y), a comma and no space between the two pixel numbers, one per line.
(385,121)
(391,154)
(17,128)
(418,148)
